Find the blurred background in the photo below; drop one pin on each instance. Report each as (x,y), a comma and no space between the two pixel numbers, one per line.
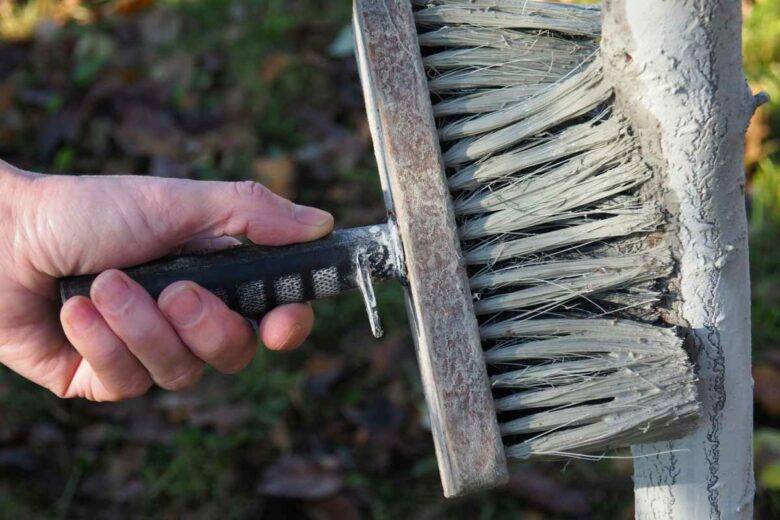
(268,90)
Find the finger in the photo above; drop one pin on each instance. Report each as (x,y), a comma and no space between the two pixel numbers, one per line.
(134,317)
(204,244)
(119,373)
(247,208)
(214,333)
(141,207)
(285,327)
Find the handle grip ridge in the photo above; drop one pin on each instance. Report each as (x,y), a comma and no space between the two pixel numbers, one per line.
(253,279)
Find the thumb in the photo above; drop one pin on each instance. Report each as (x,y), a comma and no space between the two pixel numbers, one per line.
(213,209)
(116,222)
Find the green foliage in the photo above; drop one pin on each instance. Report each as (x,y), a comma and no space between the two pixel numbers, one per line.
(762,67)
(765,201)
(762,63)
(64,158)
(199,468)
(761,46)
(770,477)
(762,34)
(196,469)
(251,29)
(93,52)
(268,385)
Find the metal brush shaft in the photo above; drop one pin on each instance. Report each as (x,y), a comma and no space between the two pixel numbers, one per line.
(253,279)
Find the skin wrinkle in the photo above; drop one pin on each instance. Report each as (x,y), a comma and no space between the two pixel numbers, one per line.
(17,226)
(69,381)
(40,243)
(234,222)
(136,213)
(167,204)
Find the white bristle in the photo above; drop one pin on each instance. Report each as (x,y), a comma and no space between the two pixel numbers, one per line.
(487,101)
(590,91)
(580,190)
(634,220)
(656,261)
(487,57)
(508,14)
(563,101)
(555,283)
(525,191)
(564,241)
(482,37)
(539,150)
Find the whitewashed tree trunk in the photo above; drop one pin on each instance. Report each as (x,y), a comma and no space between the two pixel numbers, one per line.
(677,68)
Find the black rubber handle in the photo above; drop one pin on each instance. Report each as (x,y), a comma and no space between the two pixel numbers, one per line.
(253,279)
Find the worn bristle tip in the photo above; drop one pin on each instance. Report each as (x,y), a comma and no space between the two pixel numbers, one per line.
(563,235)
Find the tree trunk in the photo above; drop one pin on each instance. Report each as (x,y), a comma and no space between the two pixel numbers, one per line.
(677,70)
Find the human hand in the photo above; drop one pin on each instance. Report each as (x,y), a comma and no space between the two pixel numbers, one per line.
(119,342)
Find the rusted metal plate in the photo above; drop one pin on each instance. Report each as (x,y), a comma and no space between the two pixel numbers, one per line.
(463,418)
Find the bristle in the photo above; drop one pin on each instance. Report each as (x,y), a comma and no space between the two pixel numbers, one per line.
(554,283)
(565,244)
(539,150)
(510,14)
(488,134)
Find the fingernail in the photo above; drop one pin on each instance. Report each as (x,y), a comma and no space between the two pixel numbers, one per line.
(112,292)
(309,216)
(183,306)
(292,337)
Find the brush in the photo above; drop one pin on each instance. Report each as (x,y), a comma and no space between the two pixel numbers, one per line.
(530,234)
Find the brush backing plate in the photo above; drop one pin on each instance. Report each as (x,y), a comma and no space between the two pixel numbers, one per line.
(457,390)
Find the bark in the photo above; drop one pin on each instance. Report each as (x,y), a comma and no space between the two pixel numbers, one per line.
(677,70)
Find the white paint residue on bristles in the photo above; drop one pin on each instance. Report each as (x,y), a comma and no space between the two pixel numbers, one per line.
(566,249)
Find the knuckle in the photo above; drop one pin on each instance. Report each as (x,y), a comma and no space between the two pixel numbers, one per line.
(134,387)
(240,363)
(137,389)
(252,190)
(138,332)
(106,357)
(217,344)
(135,337)
(185,379)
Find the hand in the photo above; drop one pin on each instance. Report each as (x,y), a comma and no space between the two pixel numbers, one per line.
(119,342)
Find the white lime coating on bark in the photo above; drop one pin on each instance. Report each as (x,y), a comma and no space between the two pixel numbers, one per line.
(677,71)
